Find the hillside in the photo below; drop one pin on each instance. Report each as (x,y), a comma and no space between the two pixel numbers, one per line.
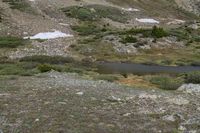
(99,66)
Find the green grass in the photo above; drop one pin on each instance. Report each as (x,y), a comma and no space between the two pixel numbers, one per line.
(95,13)
(86,29)
(129,39)
(16,69)
(12,42)
(21,5)
(193,77)
(154,32)
(166,82)
(158,32)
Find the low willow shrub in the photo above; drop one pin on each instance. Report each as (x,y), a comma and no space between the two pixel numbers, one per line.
(166,82)
(192,77)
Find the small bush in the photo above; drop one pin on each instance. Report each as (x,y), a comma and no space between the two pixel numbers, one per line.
(193,77)
(135,31)
(47,67)
(166,83)
(129,39)
(158,32)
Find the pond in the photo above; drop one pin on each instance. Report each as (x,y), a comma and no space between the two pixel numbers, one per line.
(117,67)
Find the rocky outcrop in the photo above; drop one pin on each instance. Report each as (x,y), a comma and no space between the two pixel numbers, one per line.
(190,5)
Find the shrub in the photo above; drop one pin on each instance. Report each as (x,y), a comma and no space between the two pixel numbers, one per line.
(47,67)
(135,31)
(129,39)
(158,32)
(47,59)
(193,77)
(166,83)
(86,29)
(11,42)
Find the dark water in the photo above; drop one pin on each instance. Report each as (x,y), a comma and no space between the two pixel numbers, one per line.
(115,67)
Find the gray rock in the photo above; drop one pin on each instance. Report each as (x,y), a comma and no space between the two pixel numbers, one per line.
(190,88)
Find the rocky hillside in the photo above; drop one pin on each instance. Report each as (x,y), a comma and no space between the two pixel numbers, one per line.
(190,5)
(99,66)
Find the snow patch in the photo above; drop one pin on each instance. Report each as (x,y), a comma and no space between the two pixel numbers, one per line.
(176,21)
(80,93)
(49,35)
(147,20)
(131,9)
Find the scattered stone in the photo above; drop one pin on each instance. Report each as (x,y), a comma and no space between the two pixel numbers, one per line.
(169,118)
(114,99)
(127,114)
(62,103)
(178,101)
(110,125)
(147,96)
(36,120)
(182,128)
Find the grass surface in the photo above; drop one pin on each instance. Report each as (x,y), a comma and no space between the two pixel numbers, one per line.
(12,42)
(20,5)
(95,13)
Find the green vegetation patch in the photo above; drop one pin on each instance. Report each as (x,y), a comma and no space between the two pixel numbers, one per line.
(21,5)
(17,69)
(155,32)
(47,59)
(86,29)
(12,42)
(158,32)
(193,77)
(95,12)
(166,82)
(129,39)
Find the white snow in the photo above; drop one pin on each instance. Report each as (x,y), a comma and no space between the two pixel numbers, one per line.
(49,35)
(131,9)
(147,20)
(80,93)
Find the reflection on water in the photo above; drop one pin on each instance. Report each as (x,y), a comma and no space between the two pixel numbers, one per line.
(116,67)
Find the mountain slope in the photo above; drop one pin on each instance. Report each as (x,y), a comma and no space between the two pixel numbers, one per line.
(190,5)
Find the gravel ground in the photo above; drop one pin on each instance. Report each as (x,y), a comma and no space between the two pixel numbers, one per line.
(67,103)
